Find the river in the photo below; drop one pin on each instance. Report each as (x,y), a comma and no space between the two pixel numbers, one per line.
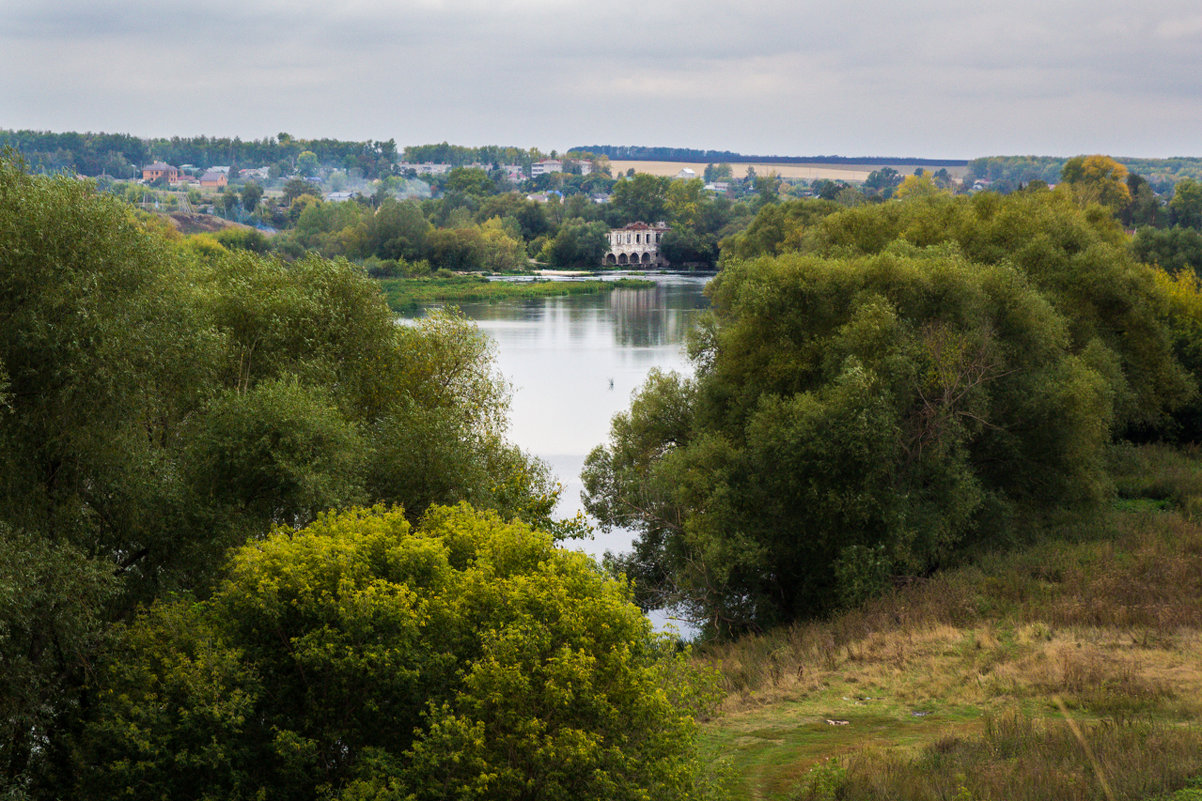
(575,361)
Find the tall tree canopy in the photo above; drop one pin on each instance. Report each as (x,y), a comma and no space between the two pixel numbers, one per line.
(902,380)
(1097,179)
(159,405)
(363,658)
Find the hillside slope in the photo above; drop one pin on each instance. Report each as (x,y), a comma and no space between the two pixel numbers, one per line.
(1071,669)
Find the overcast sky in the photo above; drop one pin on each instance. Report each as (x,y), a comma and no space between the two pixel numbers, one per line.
(934,78)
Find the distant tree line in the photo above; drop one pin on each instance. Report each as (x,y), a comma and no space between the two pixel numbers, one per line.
(459,156)
(1008,173)
(118,155)
(123,155)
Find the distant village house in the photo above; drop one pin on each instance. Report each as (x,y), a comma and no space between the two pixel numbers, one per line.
(636,244)
(548,166)
(158,170)
(214,180)
(426,168)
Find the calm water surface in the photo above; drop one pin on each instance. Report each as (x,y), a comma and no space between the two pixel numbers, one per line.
(574,362)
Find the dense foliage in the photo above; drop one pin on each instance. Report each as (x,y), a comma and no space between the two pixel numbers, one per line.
(161,403)
(478,224)
(460,156)
(879,388)
(1010,172)
(363,658)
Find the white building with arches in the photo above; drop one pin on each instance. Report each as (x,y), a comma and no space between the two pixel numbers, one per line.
(636,245)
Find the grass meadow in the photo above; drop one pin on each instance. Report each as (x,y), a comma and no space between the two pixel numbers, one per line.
(1067,670)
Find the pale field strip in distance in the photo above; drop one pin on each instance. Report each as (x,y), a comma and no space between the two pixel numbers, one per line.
(810,172)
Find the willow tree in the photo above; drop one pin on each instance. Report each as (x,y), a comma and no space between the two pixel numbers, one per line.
(899,382)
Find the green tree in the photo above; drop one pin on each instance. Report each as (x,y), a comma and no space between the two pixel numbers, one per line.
(52,622)
(921,185)
(684,203)
(776,228)
(847,414)
(1186,205)
(641,198)
(1097,179)
(363,658)
(398,230)
(828,190)
(718,172)
(471,181)
(1184,314)
(503,251)
(882,182)
(456,248)
(792,444)
(849,196)
(252,193)
(106,354)
(683,245)
(1079,259)
(1144,208)
(229,203)
(578,244)
(104,357)
(1175,249)
(294,189)
(767,189)
(307,163)
(278,452)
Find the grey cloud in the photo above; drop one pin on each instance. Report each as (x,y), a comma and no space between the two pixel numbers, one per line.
(929,77)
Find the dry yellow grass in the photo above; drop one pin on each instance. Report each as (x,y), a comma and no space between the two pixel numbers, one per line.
(1111,627)
(943,666)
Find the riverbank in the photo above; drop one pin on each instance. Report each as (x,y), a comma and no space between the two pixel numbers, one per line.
(406,294)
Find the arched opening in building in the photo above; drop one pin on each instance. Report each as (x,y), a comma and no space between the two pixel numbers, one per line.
(646,258)
(610,259)
(622,258)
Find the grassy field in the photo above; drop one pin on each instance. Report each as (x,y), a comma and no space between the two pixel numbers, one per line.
(852,173)
(1068,670)
(404,294)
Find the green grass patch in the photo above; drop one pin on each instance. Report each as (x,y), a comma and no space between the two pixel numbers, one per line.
(408,294)
(1191,792)
(770,750)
